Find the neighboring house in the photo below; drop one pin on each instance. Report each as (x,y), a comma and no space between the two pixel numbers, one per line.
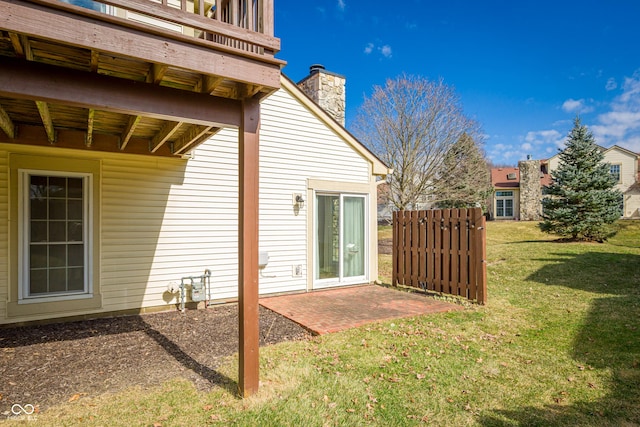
(517,192)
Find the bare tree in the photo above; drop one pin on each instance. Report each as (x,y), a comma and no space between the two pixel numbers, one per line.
(411,124)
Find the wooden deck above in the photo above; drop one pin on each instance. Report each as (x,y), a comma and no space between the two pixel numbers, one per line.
(132,75)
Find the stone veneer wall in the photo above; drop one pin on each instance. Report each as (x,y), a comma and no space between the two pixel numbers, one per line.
(530,190)
(327,90)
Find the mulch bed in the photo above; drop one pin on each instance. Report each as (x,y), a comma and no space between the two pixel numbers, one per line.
(52,364)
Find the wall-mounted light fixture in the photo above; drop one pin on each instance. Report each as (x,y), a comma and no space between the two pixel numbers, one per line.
(298,200)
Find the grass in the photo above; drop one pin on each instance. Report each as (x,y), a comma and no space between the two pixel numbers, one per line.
(558,344)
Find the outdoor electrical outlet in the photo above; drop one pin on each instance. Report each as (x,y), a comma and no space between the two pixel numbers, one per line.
(297,270)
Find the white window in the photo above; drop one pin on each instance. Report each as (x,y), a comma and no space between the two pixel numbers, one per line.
(504,204)
(55,236)
(88,4)
(614,170)
(340,238)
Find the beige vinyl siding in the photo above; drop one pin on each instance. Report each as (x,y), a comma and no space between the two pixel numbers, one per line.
(628,174)
(627,167)
(167,219)
(4,234)
(295,147)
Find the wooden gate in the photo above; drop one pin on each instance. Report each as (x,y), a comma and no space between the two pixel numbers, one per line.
(441,251)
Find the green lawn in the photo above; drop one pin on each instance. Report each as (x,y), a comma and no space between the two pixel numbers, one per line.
(558,344)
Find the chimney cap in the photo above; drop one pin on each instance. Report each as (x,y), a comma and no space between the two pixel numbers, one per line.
(314,68)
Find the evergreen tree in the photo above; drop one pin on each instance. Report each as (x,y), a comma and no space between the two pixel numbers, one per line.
(581,201)
(468,182)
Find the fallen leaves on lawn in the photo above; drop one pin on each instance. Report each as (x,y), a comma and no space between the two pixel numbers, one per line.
(76,397)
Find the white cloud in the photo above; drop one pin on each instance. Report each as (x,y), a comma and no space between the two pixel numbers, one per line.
(341,4)
(545,137)
(577,106)
(611,84)
(526,146)
(385,50)
(621,124)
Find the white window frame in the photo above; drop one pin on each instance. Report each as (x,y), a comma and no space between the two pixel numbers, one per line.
(619,166)
(503,196)
(341,280)
(24,218)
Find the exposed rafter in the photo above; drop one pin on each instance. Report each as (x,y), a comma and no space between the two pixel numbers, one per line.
(17,44)
(45,115)
(27,80)
(6,124)
(208,84)
(90,116)
(245,91)
(95,58)
(128,131)
(156,73)
(163,136)
(193,135)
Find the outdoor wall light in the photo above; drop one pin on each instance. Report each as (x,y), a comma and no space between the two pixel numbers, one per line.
(299,201)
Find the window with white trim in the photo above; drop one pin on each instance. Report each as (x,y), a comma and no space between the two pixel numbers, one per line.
(55,236)
(614,170)
(504,204)
(341,238)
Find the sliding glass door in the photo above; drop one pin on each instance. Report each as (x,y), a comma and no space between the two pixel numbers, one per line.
(340,239)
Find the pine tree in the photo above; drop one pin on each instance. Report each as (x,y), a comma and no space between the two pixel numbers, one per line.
(581,201)
(467,183)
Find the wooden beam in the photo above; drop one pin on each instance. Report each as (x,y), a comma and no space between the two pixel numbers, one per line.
(156,73)
(45,116)
(245,91)
(210,83)
(90,117)
(95,60)
(81,27)
(35,81)
(163,136)
(17,45)
(6,124)
(128,131)
(192,136)
(248,164)
(76,139)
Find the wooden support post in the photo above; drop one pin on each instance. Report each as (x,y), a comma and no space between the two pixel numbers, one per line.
(248,248)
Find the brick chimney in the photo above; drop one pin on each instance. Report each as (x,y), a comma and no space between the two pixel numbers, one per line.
(327,89)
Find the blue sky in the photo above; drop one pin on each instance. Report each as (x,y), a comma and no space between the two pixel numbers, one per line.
(522,69)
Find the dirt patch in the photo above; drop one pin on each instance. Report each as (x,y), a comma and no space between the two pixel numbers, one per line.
(51,364)
(384,246)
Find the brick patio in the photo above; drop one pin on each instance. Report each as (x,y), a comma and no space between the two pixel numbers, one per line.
(334,310)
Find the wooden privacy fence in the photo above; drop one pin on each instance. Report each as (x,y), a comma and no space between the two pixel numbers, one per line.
(441,251)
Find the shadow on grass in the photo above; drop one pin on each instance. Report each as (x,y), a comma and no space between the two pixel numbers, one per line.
(608,339)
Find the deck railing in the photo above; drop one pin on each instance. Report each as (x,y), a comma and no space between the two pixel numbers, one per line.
(240,26)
